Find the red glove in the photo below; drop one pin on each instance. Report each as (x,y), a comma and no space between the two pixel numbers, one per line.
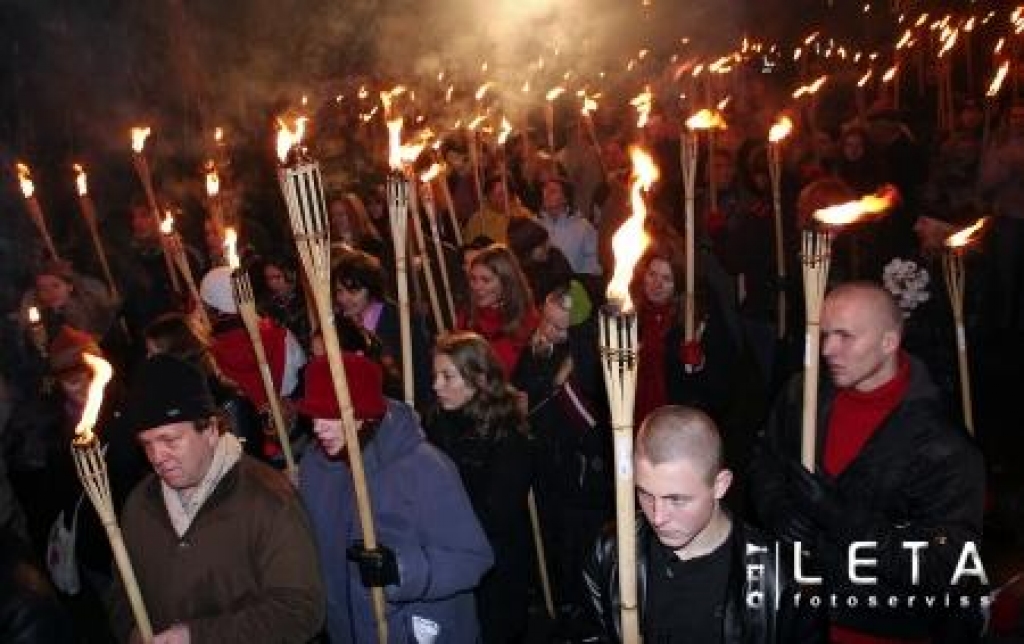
(692,354)
(716,222)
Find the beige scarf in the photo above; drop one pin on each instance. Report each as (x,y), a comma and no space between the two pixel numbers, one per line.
(181,509)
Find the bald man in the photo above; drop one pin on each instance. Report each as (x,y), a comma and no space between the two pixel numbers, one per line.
(892,471)
(702,576)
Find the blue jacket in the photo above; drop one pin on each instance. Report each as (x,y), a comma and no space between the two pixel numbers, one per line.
(422,513)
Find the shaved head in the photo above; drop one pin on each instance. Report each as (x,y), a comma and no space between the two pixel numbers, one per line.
(674,433)
(875,300)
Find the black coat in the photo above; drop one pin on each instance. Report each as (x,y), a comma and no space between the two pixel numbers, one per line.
(918,478)
(745,621)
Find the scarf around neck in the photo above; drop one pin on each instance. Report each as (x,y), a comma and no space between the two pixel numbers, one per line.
(183,511)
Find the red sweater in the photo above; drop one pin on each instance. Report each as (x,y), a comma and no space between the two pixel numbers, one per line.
(652,389)
(490,324)
(857,415)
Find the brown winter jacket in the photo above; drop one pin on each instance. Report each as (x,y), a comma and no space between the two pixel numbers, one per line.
(245,572)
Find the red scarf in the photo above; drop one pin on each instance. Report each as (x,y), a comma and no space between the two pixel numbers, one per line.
(656,320)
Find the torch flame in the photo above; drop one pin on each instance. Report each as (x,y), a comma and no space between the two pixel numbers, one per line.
(231,247)
(781,129)
(288,138)
(706,119)
(101,374)
(642,103)
(630,240)
(967,235)
(861,209)
(431,173)
(212,179)
(33,315)
(506,129)
(890,74)
(395,143)
(139,136)
(25,179)
(476,123)
(81,182)
(482,90)
(218,135)
(997,81)
(167,225)
(554,93)
(865,78)
(589,105)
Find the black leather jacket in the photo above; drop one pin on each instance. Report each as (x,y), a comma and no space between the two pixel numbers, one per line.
(753,575)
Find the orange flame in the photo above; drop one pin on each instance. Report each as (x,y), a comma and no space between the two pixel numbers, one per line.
(890,74)
(997,80)
(288,138)
(81,182)
(810,89)
(642,103)
(589,105)
(431,173)
(780,129)
(859,210)
(865,78)
(966,236)
(476,123)
(167,225)
(506,129)
(212,179)
(706,119)
(101,374)
(395,143)
(231,247)
(481,92)
(554,93)
(25,179)
(218,135)
(33,315)
(139,136)
(630,240)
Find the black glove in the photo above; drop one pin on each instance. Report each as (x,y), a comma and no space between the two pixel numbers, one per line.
(791,523)
(377,567)
(821,501)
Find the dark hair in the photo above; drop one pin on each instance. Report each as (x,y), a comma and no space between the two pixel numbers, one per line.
(516,297)
(356,270)
(284,264)
(176,335)
(61,269)
(676,261)
(494,408)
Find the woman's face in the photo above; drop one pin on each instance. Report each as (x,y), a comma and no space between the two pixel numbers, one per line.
(352,303)
(52,292)
(485,286)
(659,285)
(276,280)
(453,392)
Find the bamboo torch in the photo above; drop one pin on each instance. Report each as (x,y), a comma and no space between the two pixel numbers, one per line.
(776,135)
(213,199)
(704,120)
(589,107)
(421,242)
(35,212)
(89,215)
(246,301)
(427,179)
(474,158)
(618,348)
(139,136)
(549,113)
(302,186)
(172,242)
(398,212)
(815,258)
(953,269)
(92,472)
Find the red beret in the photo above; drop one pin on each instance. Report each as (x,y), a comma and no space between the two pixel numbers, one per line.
(365,386)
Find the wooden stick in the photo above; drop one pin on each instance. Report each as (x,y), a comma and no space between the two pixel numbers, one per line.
(817,247)
(142,170)
(92,472)
(619,362)
(775,170)
(303,192)
(181,260)
(953,268)
(246,300)
(542,560)
(474,158)
(35,212)
(398,211)
(431,210)
(428,269)
(450,204)
(688,152)
(89,215)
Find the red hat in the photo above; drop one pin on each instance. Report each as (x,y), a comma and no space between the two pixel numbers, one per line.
(365,387)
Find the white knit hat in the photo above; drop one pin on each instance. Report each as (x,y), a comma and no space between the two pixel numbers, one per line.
(216,290)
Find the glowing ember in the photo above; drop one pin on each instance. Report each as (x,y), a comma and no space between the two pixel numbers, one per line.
(81,182)
(431,173)
(289,138)
(780,129)
(33,315)
(139,136)
(997,80)
(706,119)
(212,179)
(630,240)
(231,247)
(101,374)
(642,103)
(966,236)
(859,210)
(25,179)
(167,225)
(506,129)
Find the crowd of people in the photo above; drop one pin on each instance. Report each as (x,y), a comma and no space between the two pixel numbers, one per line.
(500,463)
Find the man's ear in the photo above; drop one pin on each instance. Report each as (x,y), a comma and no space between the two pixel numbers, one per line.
(722,482)
(890,341)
